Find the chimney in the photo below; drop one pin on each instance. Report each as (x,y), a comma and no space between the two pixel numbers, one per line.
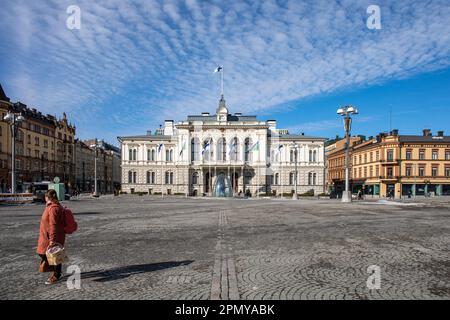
(205,114)
(168,127)
(440,133)
(272,124)
(426,132)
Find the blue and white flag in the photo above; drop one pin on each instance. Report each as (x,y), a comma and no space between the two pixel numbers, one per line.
(218,69)
(160,147)
(206,146)
(279,148)
(233,147)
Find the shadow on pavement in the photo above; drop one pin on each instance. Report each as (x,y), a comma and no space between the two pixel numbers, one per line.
(125,272)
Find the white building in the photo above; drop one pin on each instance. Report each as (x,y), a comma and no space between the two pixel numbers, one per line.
(222,155)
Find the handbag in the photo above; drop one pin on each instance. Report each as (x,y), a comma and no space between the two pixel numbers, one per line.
(44,266)
(56,255)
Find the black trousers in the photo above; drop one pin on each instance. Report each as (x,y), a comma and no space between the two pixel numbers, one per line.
(56,270)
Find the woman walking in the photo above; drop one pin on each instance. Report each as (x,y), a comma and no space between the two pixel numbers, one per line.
(51,233)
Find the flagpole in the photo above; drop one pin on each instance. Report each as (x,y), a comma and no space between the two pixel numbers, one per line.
(222,81)
(162,170)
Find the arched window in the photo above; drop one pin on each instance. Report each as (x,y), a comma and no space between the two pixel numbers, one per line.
(234,149)
(310,178)
(315,156)
(195,178)
(167,155)
(291,156)
(195,152)
(314,179)
(171,156)
(222,149)
(292,178)
(277,179)
(247,153)
(171,178)
(153,158)
(310,156)
(207,147)
(167,177)
(149,177)
(132,176)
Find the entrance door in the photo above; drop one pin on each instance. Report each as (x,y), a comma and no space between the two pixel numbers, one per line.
(234,182)
(390,189)
(207,183)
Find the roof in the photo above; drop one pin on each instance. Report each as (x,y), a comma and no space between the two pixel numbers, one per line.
(412,138)
(3,95)
(212,118)
(147,137)
(300,137)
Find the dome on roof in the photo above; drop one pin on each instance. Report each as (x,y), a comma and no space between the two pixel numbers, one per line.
(222,108)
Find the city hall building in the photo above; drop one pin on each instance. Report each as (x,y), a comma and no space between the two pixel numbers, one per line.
(222,155)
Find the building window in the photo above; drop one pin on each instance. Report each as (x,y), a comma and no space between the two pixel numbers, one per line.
(359,172)
(371,171)
(434,154)
(390,172)
(447,171)
(195,178)
(371,157)
(132,154)
(248,178)
(277,179)
(408,154)
(234,149)
(447,154)
(248,153)
(378,155)
(291,178)
(195,144)
(390,155)
(167,155)
(434,171)
(421,171)
(421,154)
(291,155)
(365,172)
(132,176)
(408,171)
(222,149)
(377,171)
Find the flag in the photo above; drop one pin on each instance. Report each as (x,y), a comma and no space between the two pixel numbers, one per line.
(182,148)
(233,147)
(279,148)
(254,147)
(206,146)
(218,69)
(160,147)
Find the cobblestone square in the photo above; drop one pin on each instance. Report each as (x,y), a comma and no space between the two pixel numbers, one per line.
(148,247)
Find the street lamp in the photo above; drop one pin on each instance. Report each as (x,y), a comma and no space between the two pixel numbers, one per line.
(346,112)
(295,146)
(97,145)
(13,120)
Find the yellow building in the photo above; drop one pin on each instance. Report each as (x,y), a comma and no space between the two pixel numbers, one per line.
(44,147)
(402,165)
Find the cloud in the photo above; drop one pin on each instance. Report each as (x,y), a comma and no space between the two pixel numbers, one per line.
(144,61)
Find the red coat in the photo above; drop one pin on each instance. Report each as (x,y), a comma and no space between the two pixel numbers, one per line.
(52,227)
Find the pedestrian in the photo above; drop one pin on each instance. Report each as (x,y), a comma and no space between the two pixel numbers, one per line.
(51,233)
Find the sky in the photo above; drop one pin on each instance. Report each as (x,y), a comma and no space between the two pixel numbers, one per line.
(133,64)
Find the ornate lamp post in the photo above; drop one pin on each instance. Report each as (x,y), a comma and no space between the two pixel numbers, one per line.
(97,145)
(295,146)
(346,112)
(13,120)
